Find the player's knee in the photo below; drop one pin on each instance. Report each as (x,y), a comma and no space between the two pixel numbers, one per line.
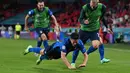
(95,44)
(43,36)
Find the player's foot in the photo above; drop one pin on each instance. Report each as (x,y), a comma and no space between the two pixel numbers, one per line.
(73,64)
(38,60)
(104,60)
(27,49)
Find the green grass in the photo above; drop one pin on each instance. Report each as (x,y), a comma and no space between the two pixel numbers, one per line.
(12,59)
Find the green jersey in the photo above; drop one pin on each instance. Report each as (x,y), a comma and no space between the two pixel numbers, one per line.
(92,15)
(41,18)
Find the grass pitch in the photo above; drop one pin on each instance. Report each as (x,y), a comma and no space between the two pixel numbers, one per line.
(12,59)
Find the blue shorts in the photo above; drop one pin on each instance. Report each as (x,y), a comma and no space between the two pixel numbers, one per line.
(53,53)
(85,35)
(40,31)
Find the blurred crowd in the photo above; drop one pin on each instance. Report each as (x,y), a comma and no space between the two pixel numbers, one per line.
(117,15)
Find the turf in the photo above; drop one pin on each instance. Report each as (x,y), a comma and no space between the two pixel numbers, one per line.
(12,59)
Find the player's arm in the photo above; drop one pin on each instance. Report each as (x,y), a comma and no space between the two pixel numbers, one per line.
(102,16)
(82,19)
(53,17)
(64,59)
(26,22)
(103,19)
(30,13)
(84,60)
(83,50)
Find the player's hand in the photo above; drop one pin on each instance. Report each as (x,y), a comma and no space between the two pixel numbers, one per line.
(73,68)
(82,65)
(109,30)
(86,22)
(26,29)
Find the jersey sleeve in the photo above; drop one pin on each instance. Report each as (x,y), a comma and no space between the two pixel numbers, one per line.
(102,17)
(81,46)
(31,12)
(63,49)
(50,12)
(64,42)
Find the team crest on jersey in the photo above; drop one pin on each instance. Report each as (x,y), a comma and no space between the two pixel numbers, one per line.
(63,47)
(41,32)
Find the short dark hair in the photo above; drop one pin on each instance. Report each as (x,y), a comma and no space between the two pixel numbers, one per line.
(38,1)
(74,36)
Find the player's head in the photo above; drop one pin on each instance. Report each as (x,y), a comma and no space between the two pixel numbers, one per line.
(94,3)
(40,4)
(74,38)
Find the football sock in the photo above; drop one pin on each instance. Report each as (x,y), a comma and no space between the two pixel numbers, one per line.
(91,49)
(101,51)
(45,43)
(39,42)
(75,55)
(36,50)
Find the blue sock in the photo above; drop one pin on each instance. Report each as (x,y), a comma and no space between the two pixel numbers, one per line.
(45,43)
(36,50)
(43,57)
(39,43)
(91,49)
(75,55)
(101,51)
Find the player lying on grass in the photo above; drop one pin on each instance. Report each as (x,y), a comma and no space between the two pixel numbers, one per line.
(60,50)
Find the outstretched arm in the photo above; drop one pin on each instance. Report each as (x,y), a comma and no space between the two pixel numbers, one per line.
(64,59)
(84,61)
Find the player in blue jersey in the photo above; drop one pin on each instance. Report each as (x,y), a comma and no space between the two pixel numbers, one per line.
(60,50)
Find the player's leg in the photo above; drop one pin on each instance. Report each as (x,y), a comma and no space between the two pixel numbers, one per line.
(39,42)
(40,58)
(17,33)
(37,50)
(84,37)
(44,37)
(101,52)
(57,36)
(50,53)
(95,42)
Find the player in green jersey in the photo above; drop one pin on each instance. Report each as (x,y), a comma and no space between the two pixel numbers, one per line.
(90,17)
(41,17)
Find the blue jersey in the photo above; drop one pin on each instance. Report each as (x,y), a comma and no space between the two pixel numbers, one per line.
(55,49)
(68,47)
